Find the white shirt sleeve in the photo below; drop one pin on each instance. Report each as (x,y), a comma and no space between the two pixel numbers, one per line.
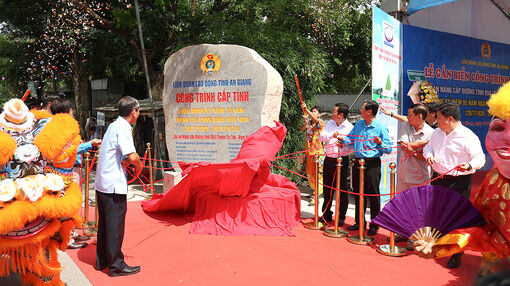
(428,150)
(326,133)
(125,141)
(477,157)
(402,132)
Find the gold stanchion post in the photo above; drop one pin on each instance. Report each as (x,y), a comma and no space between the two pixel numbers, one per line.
(95,204)
(315,224)
(361,239)
(150,168)
(336,232)
(89,229)
(391,249)
(86,210)
(151,181)
(353,160)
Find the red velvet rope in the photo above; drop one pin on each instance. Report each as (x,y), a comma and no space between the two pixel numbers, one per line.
(89,170)
(146,187)
(368,195)
(143,166)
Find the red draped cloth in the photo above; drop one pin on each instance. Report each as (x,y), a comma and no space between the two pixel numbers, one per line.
(238,198)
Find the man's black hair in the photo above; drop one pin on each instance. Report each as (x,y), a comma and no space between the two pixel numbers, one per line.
(49,98)
(126,105)
(316,107)
(433,106)
(60,105)
(372,106)
(419,108)
(343,109)
(450,109)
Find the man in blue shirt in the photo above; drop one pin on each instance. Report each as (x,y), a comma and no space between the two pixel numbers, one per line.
(117,150)
(370,140)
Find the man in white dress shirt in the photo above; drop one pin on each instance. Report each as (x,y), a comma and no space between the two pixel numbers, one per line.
(117,151)
(453,145)
(337,127)
(414,170)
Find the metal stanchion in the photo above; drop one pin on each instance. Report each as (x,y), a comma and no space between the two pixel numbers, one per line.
(391,249)
(337,232)
(95,204)
(316,224)
(89,229)
(151,181)
(86,210)
(150,168)
(353,160)
(361,239)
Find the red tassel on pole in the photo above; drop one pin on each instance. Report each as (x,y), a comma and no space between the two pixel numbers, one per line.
(25,95)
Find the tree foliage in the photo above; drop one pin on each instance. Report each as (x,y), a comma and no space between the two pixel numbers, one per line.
(326,43)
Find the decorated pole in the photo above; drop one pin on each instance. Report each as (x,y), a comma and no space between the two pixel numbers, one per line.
(336,233)
(391,249)
(361,239)
(299,93)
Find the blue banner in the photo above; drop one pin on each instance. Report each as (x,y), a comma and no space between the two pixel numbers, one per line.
(463,70)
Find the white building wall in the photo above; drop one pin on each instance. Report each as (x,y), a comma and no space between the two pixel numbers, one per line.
(473,18)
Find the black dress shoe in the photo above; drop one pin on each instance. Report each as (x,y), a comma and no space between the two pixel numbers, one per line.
(372,230)
(82,238)
(353,227)
(454,261)
(100,268)
(340,222)
(127,270)
(398,238)
(77,245)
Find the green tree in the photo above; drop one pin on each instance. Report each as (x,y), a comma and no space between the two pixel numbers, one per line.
(326,43)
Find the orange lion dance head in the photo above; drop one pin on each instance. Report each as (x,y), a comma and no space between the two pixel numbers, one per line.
(39,203)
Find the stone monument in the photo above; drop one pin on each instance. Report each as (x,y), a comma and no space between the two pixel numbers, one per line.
(213,97)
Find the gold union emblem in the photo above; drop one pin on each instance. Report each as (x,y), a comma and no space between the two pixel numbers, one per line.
(486,51)
(210,64)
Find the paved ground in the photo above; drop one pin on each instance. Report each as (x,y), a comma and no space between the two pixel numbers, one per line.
(73,276)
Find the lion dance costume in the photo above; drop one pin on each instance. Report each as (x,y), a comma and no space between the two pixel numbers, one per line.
(493,199)
(39,203)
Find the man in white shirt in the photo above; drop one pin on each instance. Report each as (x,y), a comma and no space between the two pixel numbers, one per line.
(413,170)
(117,151)
(453,145)
(337,127)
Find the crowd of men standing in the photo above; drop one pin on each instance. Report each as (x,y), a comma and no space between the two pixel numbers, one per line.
(435,147)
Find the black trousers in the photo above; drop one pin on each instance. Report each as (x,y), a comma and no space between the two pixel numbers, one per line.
(329,181)
(110,233)
(371,186)
(460,184)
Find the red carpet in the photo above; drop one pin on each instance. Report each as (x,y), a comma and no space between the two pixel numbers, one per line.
(169,255)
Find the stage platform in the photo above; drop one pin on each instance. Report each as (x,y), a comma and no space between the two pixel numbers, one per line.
(170,255)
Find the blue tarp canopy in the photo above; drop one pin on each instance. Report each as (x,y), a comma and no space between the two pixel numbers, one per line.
(417,5)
